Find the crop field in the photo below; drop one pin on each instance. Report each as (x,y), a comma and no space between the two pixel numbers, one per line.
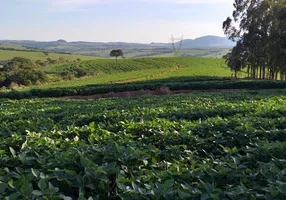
(6,46)
(200,146)
(9,54)
(104,76)
(165,52)
(130,70)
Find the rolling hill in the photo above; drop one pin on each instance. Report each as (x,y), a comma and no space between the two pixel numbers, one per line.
(204,41)
(207,42)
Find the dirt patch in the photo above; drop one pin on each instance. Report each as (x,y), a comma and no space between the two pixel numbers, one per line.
(161,91)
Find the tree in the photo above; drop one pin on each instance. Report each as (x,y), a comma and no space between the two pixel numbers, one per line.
(46,53)
(51,61)
(116,53)
(234,59)
(258,27)
(21,71)
(61,60)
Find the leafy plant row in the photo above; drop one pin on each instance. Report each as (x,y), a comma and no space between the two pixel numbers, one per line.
(152,85)
(199,146)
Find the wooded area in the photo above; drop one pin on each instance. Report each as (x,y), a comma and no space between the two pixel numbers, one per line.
(259,28)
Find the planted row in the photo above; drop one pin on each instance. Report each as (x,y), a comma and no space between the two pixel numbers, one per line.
(199,146)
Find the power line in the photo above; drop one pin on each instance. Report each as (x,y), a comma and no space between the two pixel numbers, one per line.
(177,44)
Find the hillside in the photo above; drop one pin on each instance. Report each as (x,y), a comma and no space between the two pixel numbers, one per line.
(104,76)
(207,42)
(141,69)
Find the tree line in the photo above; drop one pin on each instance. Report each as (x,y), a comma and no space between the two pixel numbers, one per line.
(259,29)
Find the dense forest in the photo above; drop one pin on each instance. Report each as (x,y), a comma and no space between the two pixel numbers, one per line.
(259,29)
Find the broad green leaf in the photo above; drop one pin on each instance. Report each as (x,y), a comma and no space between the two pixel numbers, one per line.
(2,152)
(11,183)
(204,196)
(12,151)
(37,193)
(42,185)
(35,172)
(3,187)
(14,196)
(184,195)
(26,187)
(82,198)
(169,183)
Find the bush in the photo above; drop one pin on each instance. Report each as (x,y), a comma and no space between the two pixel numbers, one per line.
(20,71)
(79,72)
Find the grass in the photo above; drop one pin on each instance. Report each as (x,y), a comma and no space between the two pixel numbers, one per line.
(7,55)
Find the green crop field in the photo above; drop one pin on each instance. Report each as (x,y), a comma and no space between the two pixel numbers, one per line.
(140,53)
(6,46)
(202,146)
(106,76)
(127,70)
(9,54)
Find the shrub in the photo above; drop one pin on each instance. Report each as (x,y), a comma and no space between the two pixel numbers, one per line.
(79,72)
(20,71)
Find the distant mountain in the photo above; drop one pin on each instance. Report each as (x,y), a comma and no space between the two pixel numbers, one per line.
(207,42)
(92,48)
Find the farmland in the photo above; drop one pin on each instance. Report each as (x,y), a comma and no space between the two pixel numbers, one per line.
(141,69)
(106,76)
(199,146)
(131,50)
(108,73)
(168,52)
(37,55)
(143,111)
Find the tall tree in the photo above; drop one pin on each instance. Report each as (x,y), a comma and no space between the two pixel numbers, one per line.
(259,27)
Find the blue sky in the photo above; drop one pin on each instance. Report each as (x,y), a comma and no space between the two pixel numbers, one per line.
(112,20)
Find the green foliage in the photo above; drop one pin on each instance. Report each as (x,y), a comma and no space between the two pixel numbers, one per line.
(21,71)
(107,71)
(116,53)
(193,84)
(204,146)
(258,27)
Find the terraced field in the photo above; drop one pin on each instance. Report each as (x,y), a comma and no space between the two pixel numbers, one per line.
(200,146)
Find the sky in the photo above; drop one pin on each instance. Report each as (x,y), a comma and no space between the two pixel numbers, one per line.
(142,21)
